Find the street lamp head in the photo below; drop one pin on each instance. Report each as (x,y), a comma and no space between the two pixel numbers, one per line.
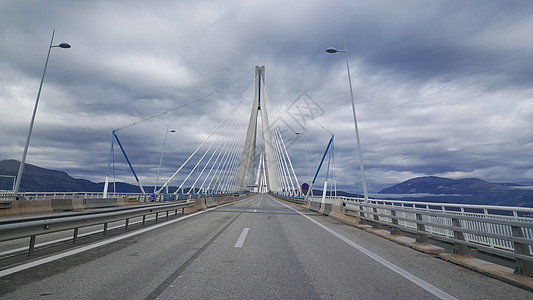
(172,131)
(64,45)
(333,50)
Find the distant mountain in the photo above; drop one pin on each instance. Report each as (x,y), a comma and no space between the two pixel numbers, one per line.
(37,179)
(468,191)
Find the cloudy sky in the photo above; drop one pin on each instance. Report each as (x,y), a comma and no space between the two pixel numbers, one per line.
(442,88)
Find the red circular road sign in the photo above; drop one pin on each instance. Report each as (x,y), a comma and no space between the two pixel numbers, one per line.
(305,186)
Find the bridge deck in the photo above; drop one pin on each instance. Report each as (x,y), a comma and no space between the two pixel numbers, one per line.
(256,248)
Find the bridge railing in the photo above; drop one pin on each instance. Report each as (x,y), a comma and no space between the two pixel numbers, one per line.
(500,230)
(73,195)
(142,198)
(505,231)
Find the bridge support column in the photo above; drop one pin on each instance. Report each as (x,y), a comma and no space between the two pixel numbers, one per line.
(523,267)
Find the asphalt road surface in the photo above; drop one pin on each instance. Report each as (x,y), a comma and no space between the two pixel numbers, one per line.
(259,248)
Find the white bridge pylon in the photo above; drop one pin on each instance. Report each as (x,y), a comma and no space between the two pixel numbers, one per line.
(226,162)
(245,176)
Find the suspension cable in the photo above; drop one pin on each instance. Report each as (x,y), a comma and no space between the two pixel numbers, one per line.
(231,123)
(189,158)
(183,105)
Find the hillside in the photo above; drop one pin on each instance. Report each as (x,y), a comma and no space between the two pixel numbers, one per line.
(37,179)
(468,190)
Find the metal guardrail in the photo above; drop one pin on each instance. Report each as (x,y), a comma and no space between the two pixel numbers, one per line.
(505,231)
(143,198)
(14,229)
(70,195)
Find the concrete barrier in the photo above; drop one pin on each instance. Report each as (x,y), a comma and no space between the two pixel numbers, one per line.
(54,205)
(190,209)
(62,204)
(224,200)
(210,202)
(127,201)
(28,208)
(337,214)
(199,203)
(58,205)
(314,206)
(307,205)
(77,204)
(325,209)
(100,202)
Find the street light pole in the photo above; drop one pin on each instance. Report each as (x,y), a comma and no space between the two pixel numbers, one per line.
(345,51)
(23,160)
(161,159)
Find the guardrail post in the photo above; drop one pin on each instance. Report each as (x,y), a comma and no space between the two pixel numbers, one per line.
(32,245)
(127,223)
(420,237)
(105,229)
(523,267)
(376,224)
(362,221)
(167,215)
(459,249)
(156,216)
(395,229)
(144,219)
(75,237)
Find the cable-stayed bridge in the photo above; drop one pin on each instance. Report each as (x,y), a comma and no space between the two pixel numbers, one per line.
(240,225)
(225,162)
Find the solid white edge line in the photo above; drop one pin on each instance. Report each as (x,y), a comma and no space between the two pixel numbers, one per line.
(96,245)
(241,239)
(414,279)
